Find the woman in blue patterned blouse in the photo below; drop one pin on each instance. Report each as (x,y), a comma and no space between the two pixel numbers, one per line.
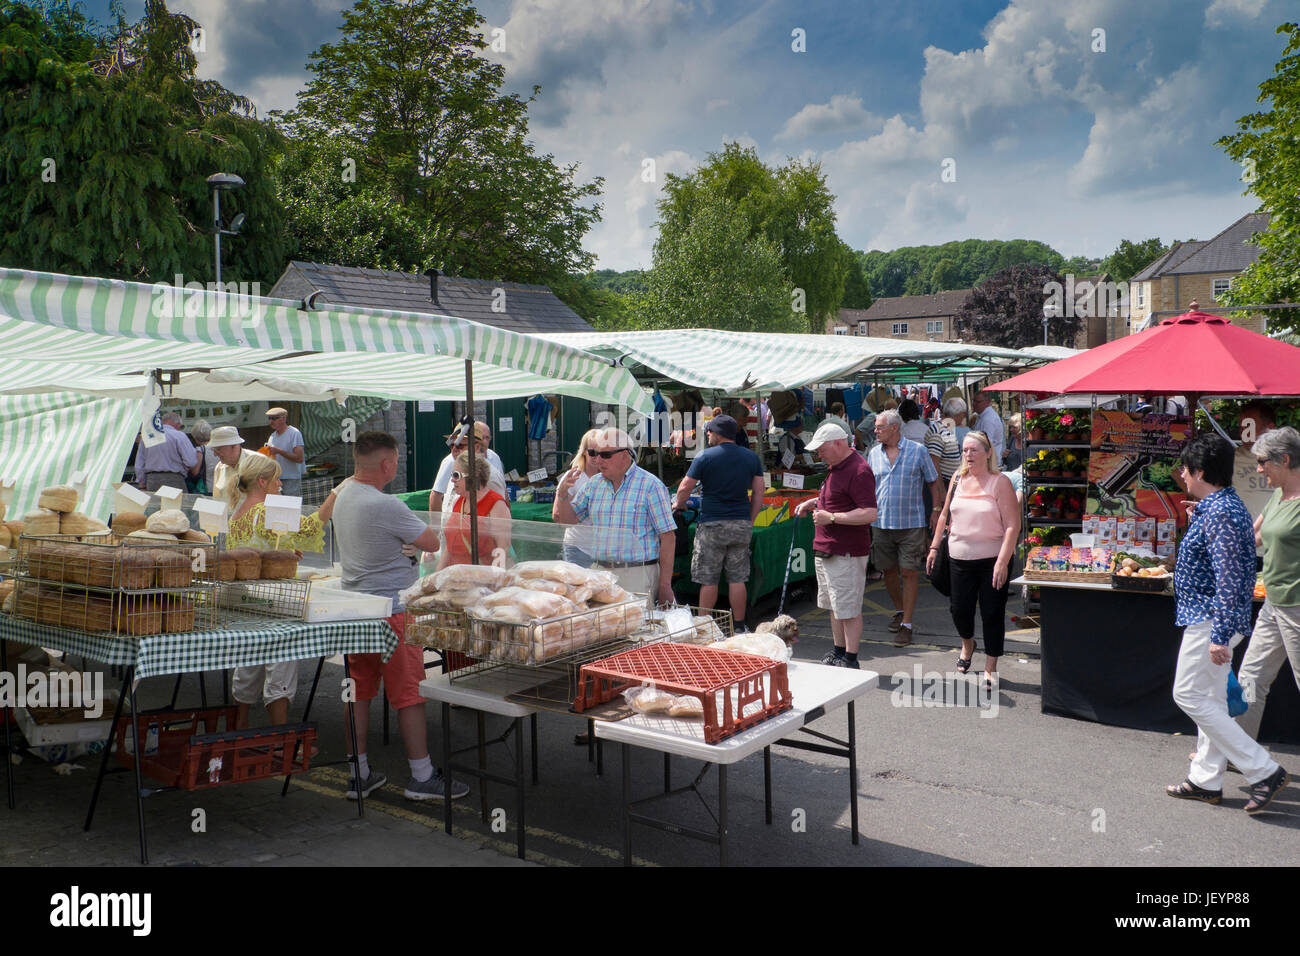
(1213,583)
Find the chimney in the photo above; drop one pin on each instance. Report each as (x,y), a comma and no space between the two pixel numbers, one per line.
(433,286)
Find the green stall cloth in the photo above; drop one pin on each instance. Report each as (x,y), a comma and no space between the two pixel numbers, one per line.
(769,548)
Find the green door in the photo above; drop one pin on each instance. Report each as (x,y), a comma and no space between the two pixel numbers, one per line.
(574,420)
(508,419)
(426,443)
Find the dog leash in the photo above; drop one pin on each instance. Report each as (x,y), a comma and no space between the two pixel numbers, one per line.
(794,533)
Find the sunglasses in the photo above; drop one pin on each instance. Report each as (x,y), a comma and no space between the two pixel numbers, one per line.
(1262,461)
(608,454)
(456,476)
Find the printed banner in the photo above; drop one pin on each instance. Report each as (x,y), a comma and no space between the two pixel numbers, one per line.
(1133,465)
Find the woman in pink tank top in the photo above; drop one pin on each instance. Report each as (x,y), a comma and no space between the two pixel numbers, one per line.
(982,520)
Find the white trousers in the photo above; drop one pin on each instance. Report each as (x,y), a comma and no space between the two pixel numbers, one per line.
(265,682)
(1201,691)
(1276,638)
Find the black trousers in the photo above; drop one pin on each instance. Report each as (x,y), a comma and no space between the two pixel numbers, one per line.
(972,581)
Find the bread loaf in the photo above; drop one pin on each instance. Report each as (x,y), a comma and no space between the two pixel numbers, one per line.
(198,537)
(15,529)
(151,536)
(135,569)
(6,537)
(61,498)
(248,563)
(41,521)
(167,521)
(226,568)
(279,564)
(138,615)
(76,523)
(87,613)
(124,522)
(172,569)
(178,616)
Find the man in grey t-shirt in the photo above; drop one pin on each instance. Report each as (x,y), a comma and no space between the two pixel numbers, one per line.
(372,528)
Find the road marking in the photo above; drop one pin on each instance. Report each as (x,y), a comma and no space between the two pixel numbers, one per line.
(508,847)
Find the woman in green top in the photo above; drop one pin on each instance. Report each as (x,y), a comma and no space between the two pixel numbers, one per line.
(1277,533)
(259,476)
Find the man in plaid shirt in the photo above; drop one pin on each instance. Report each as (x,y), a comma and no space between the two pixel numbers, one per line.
(902,468)
(631,516)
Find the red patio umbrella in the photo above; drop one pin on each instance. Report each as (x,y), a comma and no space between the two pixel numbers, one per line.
(1190,353)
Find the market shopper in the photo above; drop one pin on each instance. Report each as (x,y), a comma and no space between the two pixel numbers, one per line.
(989,421)
(732,498)
(835,416)
(634,534)
(791,442)
(227,447)
(168,463)
(1213,583)
(371,528)
(1014,455)
(199,480)
(492,510)
(842,514)
(578,538)
(944,440)
(289,449)
(901,469)
(914,429)
(458,442)
(1276,637)
(259,476)
(983,521)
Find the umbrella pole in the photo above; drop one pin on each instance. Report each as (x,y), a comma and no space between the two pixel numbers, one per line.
(471,480)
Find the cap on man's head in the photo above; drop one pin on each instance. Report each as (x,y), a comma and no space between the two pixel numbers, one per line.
(481,430)
(828,432)
(224,435)
(723,425)
(277,412)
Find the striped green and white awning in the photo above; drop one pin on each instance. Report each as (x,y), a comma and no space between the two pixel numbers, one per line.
(753,361)
(90,328)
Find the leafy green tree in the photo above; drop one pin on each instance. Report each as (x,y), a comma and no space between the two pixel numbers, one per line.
(1267,146)
(424,149)
(962,264)
(106,141)
(1007,310)
(790,207)
(1130,258)
(714,273)
(857,294)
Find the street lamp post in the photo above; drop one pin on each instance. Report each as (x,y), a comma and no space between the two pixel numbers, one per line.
(219,183)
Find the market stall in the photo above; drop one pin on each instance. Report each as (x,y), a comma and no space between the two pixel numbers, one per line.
(1115,470)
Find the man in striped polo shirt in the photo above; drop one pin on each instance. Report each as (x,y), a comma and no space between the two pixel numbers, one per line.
(633,531)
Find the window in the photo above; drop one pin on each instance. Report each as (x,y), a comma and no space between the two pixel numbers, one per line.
(934,327)
(862,327)
(1219,287)
(841,330)
(1142,294)
(900,328)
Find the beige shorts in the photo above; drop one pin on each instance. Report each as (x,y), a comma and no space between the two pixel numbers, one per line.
(900,548)
(841,581)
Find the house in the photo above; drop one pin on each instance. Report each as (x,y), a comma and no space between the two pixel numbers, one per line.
(1100,305)
(420,431)
(919,317)
(1200,271)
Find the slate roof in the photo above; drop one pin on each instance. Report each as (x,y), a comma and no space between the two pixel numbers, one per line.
(1228,251)
(909,307)
(528,308)
(1176,254)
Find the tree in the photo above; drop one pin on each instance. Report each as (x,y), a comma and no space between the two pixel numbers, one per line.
(427,152)
(790,207)
(920,270)
(1130,258)
(713,273)
(1267,147)
(857,294)
(1006,310)
(106,143)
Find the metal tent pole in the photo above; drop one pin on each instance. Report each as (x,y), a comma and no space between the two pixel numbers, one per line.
(471,480)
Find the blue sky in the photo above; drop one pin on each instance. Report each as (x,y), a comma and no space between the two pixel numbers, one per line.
(1048,136)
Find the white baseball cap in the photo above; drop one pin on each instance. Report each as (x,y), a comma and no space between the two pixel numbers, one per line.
(829,431)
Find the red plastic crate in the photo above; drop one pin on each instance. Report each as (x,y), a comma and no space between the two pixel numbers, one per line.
(736,690)
(193,753)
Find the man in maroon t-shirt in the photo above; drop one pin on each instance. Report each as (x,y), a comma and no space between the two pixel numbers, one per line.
(842,514)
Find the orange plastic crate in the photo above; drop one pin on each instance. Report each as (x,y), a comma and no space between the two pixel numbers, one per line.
(194,754)
(736,690)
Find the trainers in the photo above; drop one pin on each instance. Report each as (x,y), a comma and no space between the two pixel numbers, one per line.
(904,635)
(897,622)
(845,662)
(372,783)
(832,656)
(740,628)
(435,788)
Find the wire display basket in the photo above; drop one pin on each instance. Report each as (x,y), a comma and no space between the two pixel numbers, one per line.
(113,612)
(274,597)
(704,625)
(529,644)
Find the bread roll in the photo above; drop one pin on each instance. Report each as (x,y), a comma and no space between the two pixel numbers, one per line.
(76,523)
(167,521)
(136,569)
(125,522)
(198,537)
(138,615)
(172,569)
(61,498)
(15,529)
(279,564)
(41,521)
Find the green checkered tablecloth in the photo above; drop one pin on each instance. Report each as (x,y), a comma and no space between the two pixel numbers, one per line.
(220,649)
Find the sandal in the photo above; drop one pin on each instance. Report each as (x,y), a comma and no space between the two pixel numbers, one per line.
(990,680)
(1262,793)
(963,664)
(1190,791)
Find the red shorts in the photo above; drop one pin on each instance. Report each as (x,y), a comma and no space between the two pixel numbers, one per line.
(401,673)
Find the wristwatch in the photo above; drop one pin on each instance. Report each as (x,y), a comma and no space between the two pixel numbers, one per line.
(832,514)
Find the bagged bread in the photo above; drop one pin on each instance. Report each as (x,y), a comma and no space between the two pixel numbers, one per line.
(648,700)
(686,706)
(542,584)
(453,599)
(707,630)
(537,605)
(610,595)
(465,576)
(761,645)
(561,571)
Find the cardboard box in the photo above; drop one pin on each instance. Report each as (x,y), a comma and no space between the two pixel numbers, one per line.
(1146,526)
(1125,530)
(1106,530)
(1091,525)
(1166,530)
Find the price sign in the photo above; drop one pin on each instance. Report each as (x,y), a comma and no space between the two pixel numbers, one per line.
(283,513)
(788,459)
(505,425)
(793,480)
(512,475)
(537,474)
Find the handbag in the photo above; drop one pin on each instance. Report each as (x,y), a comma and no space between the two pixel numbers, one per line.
(941,575)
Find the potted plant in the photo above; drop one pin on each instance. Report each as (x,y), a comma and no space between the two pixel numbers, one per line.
(1068,427)
(1054,503)
(1052,465)
(1037,506)
(1070,464)
(1034,424)
(1072,510)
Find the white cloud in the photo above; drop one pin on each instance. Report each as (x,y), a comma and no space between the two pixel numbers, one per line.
(1223,12)
(842,114)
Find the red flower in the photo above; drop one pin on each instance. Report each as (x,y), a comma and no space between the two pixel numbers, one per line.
(1067,419)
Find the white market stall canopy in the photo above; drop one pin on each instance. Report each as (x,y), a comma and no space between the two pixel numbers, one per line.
(102,336)
(753,361)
